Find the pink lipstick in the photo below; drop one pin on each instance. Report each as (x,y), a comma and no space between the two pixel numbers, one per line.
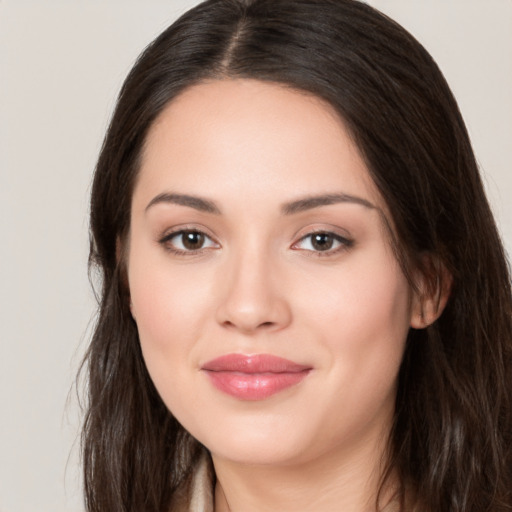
(254,377)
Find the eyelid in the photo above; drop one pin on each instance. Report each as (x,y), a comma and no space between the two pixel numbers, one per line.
(165,239)
(345,240)
(341,236)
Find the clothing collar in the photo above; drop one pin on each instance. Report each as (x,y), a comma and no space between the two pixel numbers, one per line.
(197,495)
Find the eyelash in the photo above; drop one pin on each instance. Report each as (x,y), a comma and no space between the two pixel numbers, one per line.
(166,241)
(344,243)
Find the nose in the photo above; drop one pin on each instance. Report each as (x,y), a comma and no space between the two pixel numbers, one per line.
(253,297)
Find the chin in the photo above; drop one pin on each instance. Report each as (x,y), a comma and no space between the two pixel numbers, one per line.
(268,452)
(261,440)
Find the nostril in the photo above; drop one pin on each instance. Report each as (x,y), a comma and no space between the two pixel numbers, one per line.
(250,312)
(248,326)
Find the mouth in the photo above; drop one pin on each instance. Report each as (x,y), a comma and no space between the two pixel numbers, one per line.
(254,377)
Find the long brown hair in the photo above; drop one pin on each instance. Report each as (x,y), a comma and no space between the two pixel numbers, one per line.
(451,442)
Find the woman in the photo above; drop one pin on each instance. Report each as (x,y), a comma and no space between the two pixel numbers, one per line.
(305,304)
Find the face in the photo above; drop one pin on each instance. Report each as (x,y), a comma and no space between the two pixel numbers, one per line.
(271,310)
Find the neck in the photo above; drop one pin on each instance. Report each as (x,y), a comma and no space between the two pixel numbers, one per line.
(345,479)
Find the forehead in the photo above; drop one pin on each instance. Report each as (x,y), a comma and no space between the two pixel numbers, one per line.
(248,137)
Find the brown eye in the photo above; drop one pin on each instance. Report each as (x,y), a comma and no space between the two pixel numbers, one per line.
(322,241)
(188,241)
(192,240)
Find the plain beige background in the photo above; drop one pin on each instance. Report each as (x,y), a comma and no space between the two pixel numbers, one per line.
(61,66)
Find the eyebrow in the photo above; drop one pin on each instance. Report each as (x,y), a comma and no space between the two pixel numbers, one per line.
(290,208)
(307,203)
(198,203)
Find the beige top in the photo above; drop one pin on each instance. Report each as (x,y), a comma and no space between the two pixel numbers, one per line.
(198,494)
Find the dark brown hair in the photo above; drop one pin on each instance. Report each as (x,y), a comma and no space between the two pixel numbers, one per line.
(451,442)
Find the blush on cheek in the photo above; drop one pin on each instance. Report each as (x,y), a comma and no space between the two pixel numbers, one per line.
(374,322)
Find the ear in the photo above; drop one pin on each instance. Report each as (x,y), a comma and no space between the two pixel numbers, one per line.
(433,284)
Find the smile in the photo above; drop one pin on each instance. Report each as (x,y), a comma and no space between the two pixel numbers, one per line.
(254,377)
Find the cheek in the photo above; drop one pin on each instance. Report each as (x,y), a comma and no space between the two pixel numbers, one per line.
(361,317)
(169,310)
(157,309)
(166,299)
(367,294)
(377,318)
(168,323)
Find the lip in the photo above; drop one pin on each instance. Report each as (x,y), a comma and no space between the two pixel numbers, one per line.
(254,377)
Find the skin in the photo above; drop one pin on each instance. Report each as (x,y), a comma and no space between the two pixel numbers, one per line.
(259,286)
